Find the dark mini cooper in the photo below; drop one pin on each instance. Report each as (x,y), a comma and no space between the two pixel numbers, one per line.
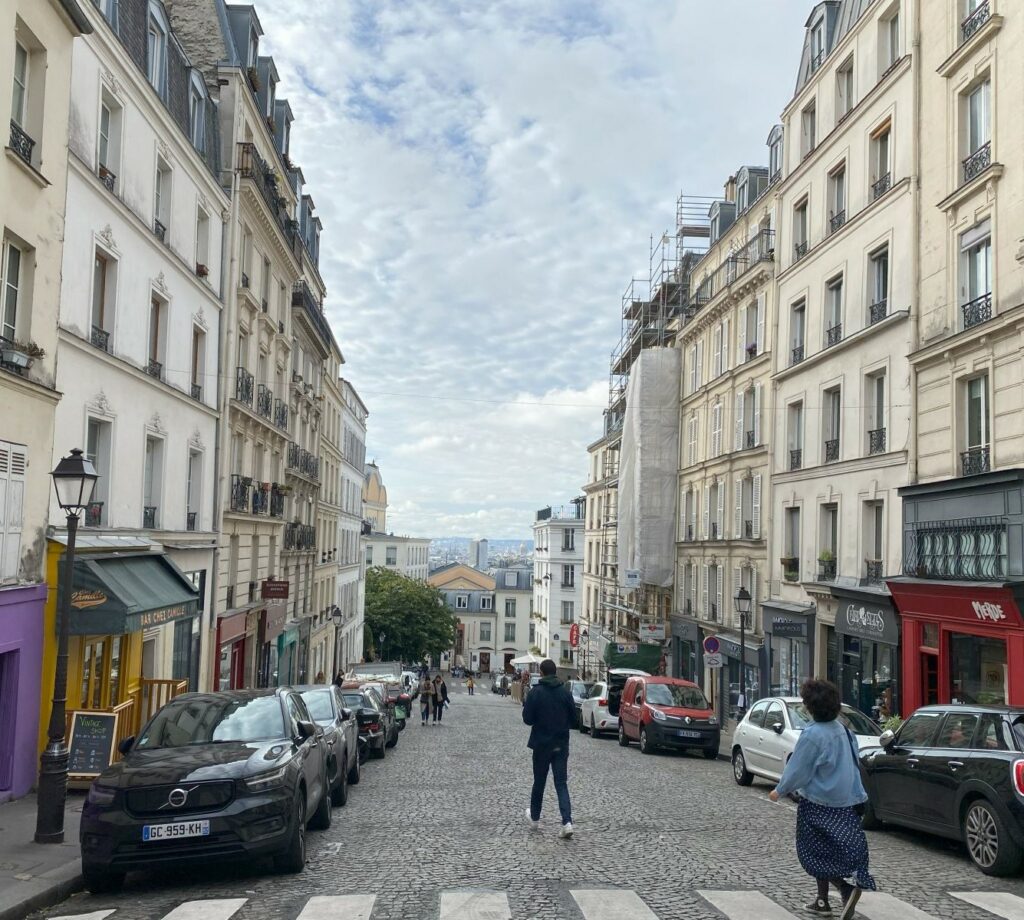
(956,771)
(211,776)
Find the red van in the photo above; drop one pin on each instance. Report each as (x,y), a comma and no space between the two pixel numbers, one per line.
(667,712)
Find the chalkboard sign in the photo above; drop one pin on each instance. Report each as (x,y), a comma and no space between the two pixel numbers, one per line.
(91,743)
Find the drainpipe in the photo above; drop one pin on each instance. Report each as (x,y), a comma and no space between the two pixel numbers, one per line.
(915,191)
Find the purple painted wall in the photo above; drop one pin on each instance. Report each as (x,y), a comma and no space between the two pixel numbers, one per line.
(21,646)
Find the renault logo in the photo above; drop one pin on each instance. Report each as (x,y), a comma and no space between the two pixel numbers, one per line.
(177,798)
(688,720)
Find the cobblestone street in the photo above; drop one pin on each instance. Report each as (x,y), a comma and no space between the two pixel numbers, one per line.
(445,812)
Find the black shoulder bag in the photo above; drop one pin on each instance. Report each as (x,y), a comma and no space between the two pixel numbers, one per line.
(859,807)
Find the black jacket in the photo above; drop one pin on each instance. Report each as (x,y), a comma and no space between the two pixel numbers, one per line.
(550,710)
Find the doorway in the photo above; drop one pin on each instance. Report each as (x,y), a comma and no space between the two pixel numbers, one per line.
(8,715)
(485,662)
(929,677)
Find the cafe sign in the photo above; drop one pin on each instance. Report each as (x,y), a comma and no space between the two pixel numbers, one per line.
(866,620)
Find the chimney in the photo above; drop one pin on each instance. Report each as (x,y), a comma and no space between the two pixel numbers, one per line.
(730,188)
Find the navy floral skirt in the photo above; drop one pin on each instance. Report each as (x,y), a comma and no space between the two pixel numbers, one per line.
(830,843)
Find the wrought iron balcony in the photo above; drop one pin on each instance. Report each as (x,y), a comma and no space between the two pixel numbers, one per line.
(149,516)
(796,459)
(688,533)
(303,297)
(752,351)
(832,450)
(975,21)
(748,530)
(302,461)
(252,591)
(159,230)
(100,338)
(108,179)
(817,59)
(826,570)
(190,520)
(833,335)
(197,392)
(301,537)
(94,514)
(975,460)
(837,220)
(240,488)
(797,355)
(760,248)
(252,166)
(264,401)
(878,311)
(978,310)
(281,414)
(243,386)
(155,369)
(876,441)
(799,251)
(748,440)
(260,499)
(978,161)
(276,501)
(21,143)
(880,186)
(966,549)
(873,571)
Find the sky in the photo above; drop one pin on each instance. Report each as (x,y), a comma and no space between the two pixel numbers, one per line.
(490,174)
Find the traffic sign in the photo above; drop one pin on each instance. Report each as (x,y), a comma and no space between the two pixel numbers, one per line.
(626,649)
(574,635)
(711,645)
(713,660)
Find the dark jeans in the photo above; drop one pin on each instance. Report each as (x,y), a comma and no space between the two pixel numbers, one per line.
(557,761)
(438,710)
(425,711)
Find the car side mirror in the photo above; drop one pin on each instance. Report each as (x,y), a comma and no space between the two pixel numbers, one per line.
(639,699)
(307,730)
(777,727)
(125,744)
(346,714)
(887,738)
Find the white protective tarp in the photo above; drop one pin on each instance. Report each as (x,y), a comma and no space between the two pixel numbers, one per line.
(648,469)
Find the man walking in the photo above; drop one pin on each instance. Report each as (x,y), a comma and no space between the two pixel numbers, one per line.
(550,711)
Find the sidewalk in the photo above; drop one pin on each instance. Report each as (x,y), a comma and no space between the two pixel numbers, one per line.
(34,875)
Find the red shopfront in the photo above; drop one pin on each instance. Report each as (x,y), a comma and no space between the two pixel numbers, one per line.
(961,642)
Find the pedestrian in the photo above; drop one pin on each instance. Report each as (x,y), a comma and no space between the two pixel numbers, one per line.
(525,688)
(440,697)
(824,770)
(338,679)
(320,679)
(426,691)
(550,712)
(470,684)
(504,685)
(517,689)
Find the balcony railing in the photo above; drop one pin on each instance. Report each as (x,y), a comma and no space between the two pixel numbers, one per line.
(276,501)
(302,461)
(817,59)
(300,537)
(797,355)
(108,178)
(264,401)
(749,440)
(190,520)
(968,549)
(978,310)
(975,460)
(243,386)
(149,516)
(826,570)
(21,143)
(876,441)
(799,251)
(748,530)
(796,459)
(155,369)
(873,571)
(94,514)
(878,311)
(260,500)
(688,533)
(240,488)
(978,161)
(975,21)
(837,220)
(833,335)
(159,230)
(100,338)
(832,450)
(197,392)
(880,186)
(252,166)
(303,297)
(761,248)
(281,414)
(712,611)
(714,530)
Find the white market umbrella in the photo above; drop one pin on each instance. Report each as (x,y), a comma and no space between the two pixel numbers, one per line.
(528,658)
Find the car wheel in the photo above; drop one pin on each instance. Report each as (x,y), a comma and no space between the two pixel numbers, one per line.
(321,819)
(293,857)
(356,773)
(101,881)
(711,753)
(379,751)
(339,794)
(740,773)
(623,740)
(594,733)
(646,745)
(988,843)
(868,819)
(393,740)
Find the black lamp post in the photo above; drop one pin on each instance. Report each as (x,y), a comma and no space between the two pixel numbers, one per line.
(743,609)
(380,647)
(74,480)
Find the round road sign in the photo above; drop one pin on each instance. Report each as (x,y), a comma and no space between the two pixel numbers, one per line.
(711,645)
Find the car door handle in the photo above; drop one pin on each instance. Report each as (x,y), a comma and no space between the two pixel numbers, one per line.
(911,761)
(955,764)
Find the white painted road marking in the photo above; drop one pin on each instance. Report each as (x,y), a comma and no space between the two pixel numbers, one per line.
(612,904)
(339,907)
(746,905)
(212,909)
(95,915)
(1007,906)
(876,905)
(475,905)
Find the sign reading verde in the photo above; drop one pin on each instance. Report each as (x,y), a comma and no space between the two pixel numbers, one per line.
(91,743)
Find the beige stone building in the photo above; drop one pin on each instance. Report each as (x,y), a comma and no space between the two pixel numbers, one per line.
(600,551)
(375,499)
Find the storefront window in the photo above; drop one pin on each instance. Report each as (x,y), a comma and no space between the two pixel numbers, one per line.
(753,685)
(977,670)
(831,654)
(930,635)
(115,670)
(787,666)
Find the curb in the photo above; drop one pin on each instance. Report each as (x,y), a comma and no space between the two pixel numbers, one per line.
(66,881)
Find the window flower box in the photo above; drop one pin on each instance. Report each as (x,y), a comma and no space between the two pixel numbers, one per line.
(19,354)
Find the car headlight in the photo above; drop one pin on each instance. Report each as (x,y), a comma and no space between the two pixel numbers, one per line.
(712,720)
(268,780)
(658,714)
(100,795)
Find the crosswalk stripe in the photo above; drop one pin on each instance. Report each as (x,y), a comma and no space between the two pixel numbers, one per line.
(475,905)
(339,907)
(877,905)
(210,909)
(95,915)
(1007,906)
(746,905)
(612,904)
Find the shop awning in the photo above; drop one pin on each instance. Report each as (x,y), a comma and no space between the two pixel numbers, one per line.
(113,595)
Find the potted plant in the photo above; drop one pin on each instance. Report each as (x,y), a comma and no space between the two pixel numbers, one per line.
(20,354)
(826,556)
(791,575)
(202,270)
(752,350)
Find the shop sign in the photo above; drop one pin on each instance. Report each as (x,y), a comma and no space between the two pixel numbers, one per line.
(993,607)
(652,631)
(574,635)
(165,615)
(986,610)
(789,627)
(274,619)
(868,621)
(274,589)
(629,649)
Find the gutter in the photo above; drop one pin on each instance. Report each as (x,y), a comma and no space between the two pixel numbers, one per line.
(74,12)
(915,191)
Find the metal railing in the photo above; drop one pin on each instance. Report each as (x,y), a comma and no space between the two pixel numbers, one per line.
(229,600)
(100,338)
(978,310)
(713,530)
(975,460)
(302,461)
(243,386)
(748,530)
(977,162)
(149,516)
(880,186)
(108,178)
(759,249)
(975,21)
(155,369)
(94,514)
(240,487)
(837,220)
(260,500)
(878,311)
(197,392)
(281,414)
(833,335)
(873,571)
(190,520)
(876,441)
(252,166)
(264,401)
(688,533)
(796,458)
(300,537)
(832,450)
(799,251)
(970,549)
(817,60)
(276,501)
(826,570)
(303,297)
(712,612)
(21,143)
(797,355)
(159,230)
(748,440)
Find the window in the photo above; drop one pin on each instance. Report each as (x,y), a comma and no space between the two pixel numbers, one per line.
(878,284)
(775,153)
(691,438)
(715,511)
(98,450)
(831,423)
(889,45)
(104,276)
(568,614)
(391,555)
(712,593)
(198,366)
(834,311)
(254,48)
(875,409)
(791,543)
(19,102)
(817,45)
(844,89)
(828,542)
(978,125)
(10,289)
(152,480)
(202,244)
(162,199)
(485,631)
(714,231)
(881,169)
(510,607)
(800,230)
(976,275)
(109,146)
(837,198)
(747,507)
(109,10)
(747,429)
(874,533)
(795,430)
(568,576)
(486,602)
(569,539)
(510,632)
(976,457)
(716,352)
(742,195)
(157,336)
(13,462)
(808,129)
(156,60)
(716,430)
(197,112)
(462,602)
(369,555)
(751,338)
(797,326)
(193,491)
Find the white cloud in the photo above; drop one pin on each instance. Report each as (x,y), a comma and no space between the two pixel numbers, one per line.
(489,173)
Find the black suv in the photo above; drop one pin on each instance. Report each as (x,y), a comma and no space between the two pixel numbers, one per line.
(957,771)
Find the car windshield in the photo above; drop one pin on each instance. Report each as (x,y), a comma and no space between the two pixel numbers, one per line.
(318,702)
(676,695)
(853,719)
(202,721)
(354,700)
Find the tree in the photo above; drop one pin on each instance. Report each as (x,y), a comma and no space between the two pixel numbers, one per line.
(412,616)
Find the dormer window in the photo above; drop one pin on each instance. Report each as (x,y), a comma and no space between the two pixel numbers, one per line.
(197,112)
(715,232)
(817,45)
(254,48)
(156,60)
(743,194)
(775,153)
(271,90)
(109,10)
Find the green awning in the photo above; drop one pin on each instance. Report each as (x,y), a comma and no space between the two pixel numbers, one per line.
(113,595)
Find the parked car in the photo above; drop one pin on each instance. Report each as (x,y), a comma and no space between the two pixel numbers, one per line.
(603,709)
(956,771)
(341,733)
(211,776)
(371,718)
(667,712)
(766,736)
(580,690)
(387,704)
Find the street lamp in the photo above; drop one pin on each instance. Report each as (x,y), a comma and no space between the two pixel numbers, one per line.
(380,646)
(336,616)
(74,481)
(743,609)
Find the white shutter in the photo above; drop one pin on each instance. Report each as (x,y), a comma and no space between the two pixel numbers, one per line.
(738,520)
(704,592)
(716,430)
(738,439)
(755,512)
(12,499)
(700,363)
(693,589)
(753,594)
(758,394)
(693,369)
(716,348)
(737,582)
(693,440)
(760,324)
(720,514)
(725,344)
(693,513)
(704,509)
(741,338)
(682,514)
(721,578)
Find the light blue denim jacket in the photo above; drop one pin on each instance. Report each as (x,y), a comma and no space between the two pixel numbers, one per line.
(823,769)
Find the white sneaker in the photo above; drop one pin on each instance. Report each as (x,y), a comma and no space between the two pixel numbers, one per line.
(566,832)
(534,825)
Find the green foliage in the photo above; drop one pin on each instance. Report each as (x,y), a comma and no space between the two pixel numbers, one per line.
(413,617)
(892,723)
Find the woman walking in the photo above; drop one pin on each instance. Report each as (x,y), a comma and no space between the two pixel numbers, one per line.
(440,697)
(426,690)
(825,771)
(470,684)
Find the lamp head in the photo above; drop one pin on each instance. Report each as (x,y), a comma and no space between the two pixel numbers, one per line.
(74,480)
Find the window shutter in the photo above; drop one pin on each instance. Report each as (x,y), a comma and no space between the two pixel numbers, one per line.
(738,438)
(693,440)
(755,513)
(704,592)
(720,512)
(693,511)
(12,497)
(716,430)
(682,513)
(738,496)
(737,582)
(705,508)
(760,324)
(721,609)
(716,346)
(693,589)
(758,393)
(725,344)
(700,363)
(753,594)
(693,369)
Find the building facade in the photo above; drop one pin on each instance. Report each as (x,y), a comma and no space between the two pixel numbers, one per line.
(513,601)
(351,596)
(558,535)
(375,499)
(471,594)
(600,551)
(408,556)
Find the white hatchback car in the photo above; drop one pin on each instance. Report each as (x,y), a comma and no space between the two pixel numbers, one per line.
(594,715)
(768,733)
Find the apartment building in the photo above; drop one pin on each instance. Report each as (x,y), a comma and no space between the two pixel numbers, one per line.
(600,550)
(470,593)
(557,583)
(35,64)
(725,427)
(513,600)
(351,594)
(375,499)
(409,556)
(846,270)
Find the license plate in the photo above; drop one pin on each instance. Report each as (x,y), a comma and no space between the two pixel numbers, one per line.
(176,830)
(686,733)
